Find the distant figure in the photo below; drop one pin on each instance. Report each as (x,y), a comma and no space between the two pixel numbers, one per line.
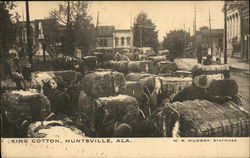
(16,72)
(218,60)
(199,54)
(208,61)
(120,56)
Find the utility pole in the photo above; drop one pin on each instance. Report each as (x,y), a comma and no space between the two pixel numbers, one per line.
(68,29)
(140,37)
(184,34)
(96,31)
(225,33)
(130,23)
(211,40)
(22,14)
(194,27)
(28,33)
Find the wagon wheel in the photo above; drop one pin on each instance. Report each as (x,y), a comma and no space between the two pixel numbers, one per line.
(153,121)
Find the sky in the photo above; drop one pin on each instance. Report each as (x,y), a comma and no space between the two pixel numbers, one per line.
(166,15)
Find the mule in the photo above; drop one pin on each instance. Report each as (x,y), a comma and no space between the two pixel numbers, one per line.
(60,100)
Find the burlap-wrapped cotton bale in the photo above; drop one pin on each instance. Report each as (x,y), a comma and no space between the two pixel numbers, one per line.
(100,84)
(137,76)
(67,75)
(218,76)
(33,84)
(53,129)
(201,118)
(103,70)
(209,69)
(90,61)
(173,85)
(134,89)
(119,82)
(142,57)
(8,84)
(84,103)
(226,87)
(157,58)
(167,68)
(120,66)
(150,66)
(47,76)
(11,85)
(118,106)
(29,104)
(182,73)
(132,56)
(40,77)
(148,82)
(141,66)
(106,64)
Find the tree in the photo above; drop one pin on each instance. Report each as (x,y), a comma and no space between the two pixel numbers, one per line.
(203,28)
(8,29)
(176,41)
(145,34)
(80,29)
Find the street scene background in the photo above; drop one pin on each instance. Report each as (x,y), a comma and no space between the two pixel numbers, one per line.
(124,69)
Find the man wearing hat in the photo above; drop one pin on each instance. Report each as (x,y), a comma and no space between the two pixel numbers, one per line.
(208,61)
(199,90)
(16,73)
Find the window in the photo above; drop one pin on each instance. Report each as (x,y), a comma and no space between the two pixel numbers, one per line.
(128,41)
(122,41)
(103,43)
(116,41)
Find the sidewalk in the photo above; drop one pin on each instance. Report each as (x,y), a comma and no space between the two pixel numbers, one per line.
(238,64)
(233,63)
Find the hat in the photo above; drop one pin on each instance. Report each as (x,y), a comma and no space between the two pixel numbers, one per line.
(202,81)
(196,70)
(209,56)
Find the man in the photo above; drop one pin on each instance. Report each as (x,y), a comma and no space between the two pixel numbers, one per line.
(208,61)
(199,53)
(199,90)
(16,72)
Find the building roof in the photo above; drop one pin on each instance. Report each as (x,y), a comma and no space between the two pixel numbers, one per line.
(215,32)
(105,31)
(127,30)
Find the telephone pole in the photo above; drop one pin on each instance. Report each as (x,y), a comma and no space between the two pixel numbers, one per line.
(68,30)
(211,40)
(28,33)
(225,33)
(194,27)
(96,31)
(140,37)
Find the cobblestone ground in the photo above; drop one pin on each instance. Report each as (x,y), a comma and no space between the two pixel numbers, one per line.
(243,82)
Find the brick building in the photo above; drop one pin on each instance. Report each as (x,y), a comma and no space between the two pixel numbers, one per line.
(108,38)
